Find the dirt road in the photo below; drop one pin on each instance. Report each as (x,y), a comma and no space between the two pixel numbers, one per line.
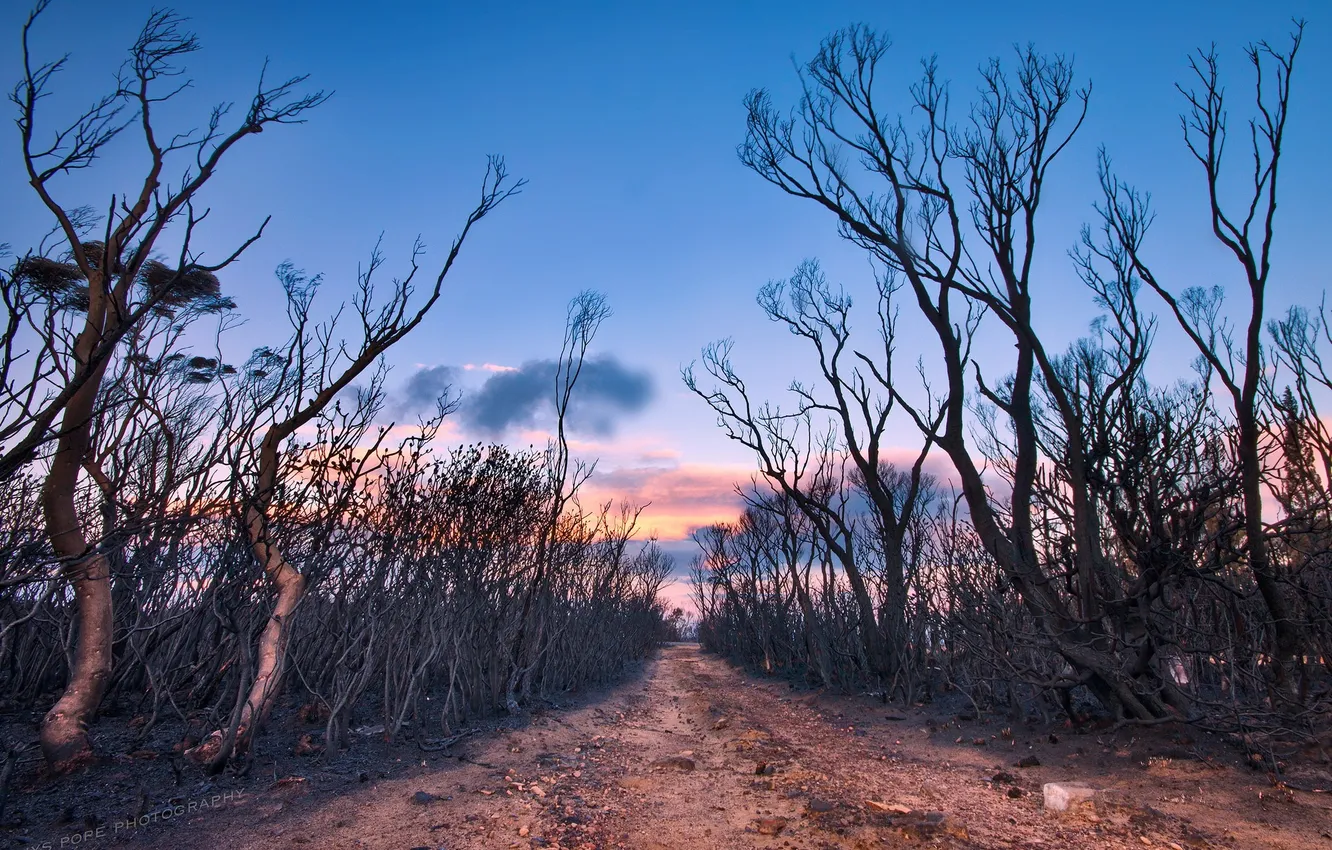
(694,754)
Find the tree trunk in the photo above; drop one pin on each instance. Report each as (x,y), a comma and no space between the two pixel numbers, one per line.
(893,613)
(870,634)
(271,663)
(816,654)
(64,732)
(1288,635)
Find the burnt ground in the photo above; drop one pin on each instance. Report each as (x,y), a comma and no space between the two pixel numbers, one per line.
(692,753)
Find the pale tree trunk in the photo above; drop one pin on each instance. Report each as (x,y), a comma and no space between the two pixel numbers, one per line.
(271,655)
(272,651)
(64,731)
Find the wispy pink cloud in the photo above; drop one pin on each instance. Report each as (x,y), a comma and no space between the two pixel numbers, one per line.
(682,498)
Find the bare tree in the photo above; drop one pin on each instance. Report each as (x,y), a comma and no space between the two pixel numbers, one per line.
(856,400)
(585,314)
(298,386)
(974,253)
(119,280)
(1248,234)
(1118,526)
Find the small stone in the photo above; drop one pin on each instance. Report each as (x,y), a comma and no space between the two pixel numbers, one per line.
(524,831)
(1029,761)
(423,798)
(817,805)
(1014,792)
(770,826)
(721,724)
(1060,796)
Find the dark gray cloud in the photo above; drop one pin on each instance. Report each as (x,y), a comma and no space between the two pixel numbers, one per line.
(522,396)
(424,387)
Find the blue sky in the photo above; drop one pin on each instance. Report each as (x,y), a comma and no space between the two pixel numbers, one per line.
(624,119)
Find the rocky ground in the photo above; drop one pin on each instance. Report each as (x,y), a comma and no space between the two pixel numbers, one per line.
(695,754)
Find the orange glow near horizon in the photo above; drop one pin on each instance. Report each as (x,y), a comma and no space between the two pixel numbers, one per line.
(680,499)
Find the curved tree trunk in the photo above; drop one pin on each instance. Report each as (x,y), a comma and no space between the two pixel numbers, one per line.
(64,731)
(271,656)
(270,664)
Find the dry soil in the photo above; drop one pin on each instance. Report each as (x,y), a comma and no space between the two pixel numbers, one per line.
(696,754)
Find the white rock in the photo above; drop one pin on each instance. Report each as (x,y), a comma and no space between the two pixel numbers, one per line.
(1061,796)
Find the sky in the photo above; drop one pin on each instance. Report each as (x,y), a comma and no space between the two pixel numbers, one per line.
(624,119)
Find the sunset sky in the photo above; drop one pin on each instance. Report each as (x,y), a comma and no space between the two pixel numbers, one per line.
(624,118)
